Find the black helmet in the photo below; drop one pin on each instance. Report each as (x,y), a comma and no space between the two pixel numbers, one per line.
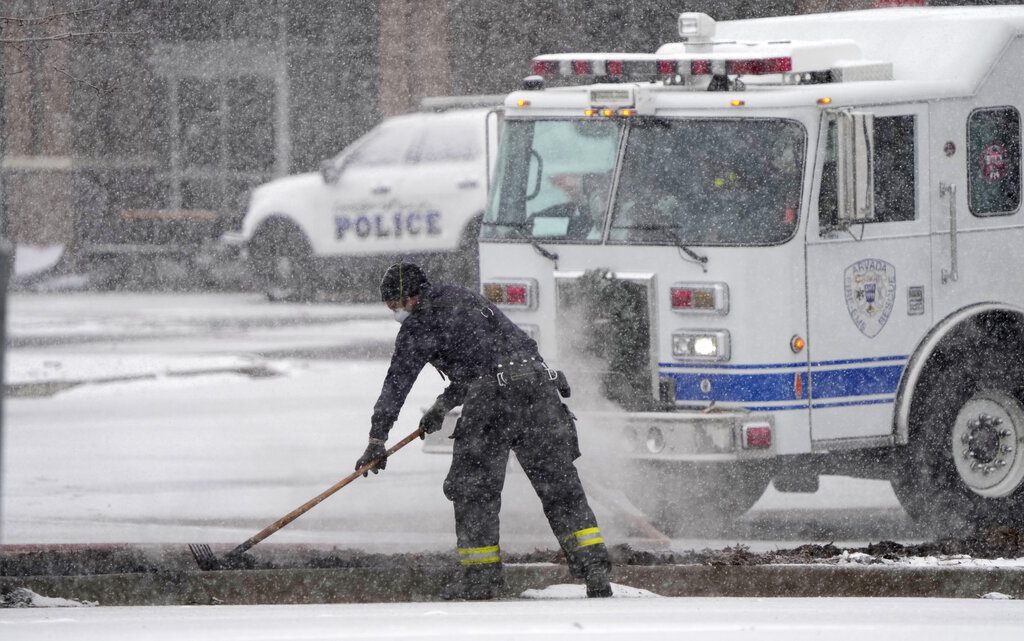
(402,280)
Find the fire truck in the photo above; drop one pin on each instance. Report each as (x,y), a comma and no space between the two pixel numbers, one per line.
(781,248)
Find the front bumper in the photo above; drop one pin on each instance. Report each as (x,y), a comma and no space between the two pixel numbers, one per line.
(717,436)
(687,435)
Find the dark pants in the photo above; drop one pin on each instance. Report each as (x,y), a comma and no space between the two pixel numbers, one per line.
(528,418)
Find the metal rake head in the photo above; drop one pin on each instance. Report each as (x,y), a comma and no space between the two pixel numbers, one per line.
(204,556)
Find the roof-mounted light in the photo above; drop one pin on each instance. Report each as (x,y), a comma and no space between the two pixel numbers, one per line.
(545,68)
(760,66)
(668,67)
(696,25)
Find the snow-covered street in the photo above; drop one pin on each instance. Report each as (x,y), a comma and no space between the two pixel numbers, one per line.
(617,619)
(170,418)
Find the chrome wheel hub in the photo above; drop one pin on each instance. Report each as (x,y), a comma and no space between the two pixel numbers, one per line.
(987,440)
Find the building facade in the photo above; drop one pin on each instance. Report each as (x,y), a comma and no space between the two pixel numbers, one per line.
(141,125)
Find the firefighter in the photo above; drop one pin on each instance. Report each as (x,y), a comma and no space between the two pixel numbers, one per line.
(510,400)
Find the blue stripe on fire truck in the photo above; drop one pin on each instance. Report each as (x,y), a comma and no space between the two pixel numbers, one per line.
(834,383)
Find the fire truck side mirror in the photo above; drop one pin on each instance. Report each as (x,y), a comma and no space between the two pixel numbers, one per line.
(855,184)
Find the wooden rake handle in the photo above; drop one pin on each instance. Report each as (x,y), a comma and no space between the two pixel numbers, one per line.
(316,500)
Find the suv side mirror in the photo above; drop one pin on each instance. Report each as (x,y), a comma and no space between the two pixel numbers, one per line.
(330,171)
(855,175)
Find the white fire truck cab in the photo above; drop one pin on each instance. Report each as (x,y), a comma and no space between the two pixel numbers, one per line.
(785,247)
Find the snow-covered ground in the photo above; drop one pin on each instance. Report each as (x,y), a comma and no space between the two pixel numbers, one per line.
(204,417)
(611,620)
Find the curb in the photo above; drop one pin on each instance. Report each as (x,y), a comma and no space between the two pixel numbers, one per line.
(390,585)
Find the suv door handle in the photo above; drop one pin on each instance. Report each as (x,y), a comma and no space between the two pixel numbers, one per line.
(467,184)
(381,189)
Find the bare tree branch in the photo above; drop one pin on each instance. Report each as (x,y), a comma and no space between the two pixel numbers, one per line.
(48,17)
(76,79)
(65,36)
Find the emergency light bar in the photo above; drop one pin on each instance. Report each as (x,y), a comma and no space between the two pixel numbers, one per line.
(722,58)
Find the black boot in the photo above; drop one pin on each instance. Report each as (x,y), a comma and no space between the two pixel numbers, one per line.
(598,585)
(588,559)
(476,583)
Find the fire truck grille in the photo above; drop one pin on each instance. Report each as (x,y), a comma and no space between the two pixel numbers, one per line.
(604,330)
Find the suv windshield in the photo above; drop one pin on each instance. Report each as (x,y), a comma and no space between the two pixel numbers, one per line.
(688,182)
(554,180)
(709,182)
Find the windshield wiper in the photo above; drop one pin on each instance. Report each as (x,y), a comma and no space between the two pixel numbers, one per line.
(520,230)
(670,232)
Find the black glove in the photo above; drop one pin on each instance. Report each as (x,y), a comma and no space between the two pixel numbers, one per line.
(433,419)
(374,452)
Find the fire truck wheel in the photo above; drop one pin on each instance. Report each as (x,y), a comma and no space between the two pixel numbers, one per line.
(964,466)
(687,499)
(282,263)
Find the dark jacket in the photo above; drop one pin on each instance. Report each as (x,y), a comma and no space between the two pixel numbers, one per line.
(457,331)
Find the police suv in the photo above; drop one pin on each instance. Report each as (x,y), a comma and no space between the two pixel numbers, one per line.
(414,186)
(785,247)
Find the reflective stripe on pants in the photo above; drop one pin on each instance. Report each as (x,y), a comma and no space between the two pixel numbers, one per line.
(589,536)
(479,556)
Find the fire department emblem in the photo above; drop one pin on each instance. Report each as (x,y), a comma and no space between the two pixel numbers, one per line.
(993,162)
(870,287)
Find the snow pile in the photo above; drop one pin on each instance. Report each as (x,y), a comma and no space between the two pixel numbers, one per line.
(862,558)
(32,259)
(854,558)
(573,591)
(25,598)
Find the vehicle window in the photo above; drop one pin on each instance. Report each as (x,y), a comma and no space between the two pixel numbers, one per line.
(895,174)
(993,161)
(554,180)
(388,146)
(709,182)
(451,142)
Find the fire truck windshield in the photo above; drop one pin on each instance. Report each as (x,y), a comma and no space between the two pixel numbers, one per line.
(554,180)
(709,182)
(682,181)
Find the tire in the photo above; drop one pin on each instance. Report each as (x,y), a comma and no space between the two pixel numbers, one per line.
(283,264)
(696,499)
(963,469)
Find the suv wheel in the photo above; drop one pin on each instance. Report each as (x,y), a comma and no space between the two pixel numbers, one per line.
(283,264)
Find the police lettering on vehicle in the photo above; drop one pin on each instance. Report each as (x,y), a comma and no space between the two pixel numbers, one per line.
(870,288)
(388,225)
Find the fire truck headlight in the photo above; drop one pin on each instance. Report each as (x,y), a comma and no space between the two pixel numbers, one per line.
(655,441)
(701,345)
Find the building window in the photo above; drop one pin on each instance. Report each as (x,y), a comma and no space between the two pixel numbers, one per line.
(993,161)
